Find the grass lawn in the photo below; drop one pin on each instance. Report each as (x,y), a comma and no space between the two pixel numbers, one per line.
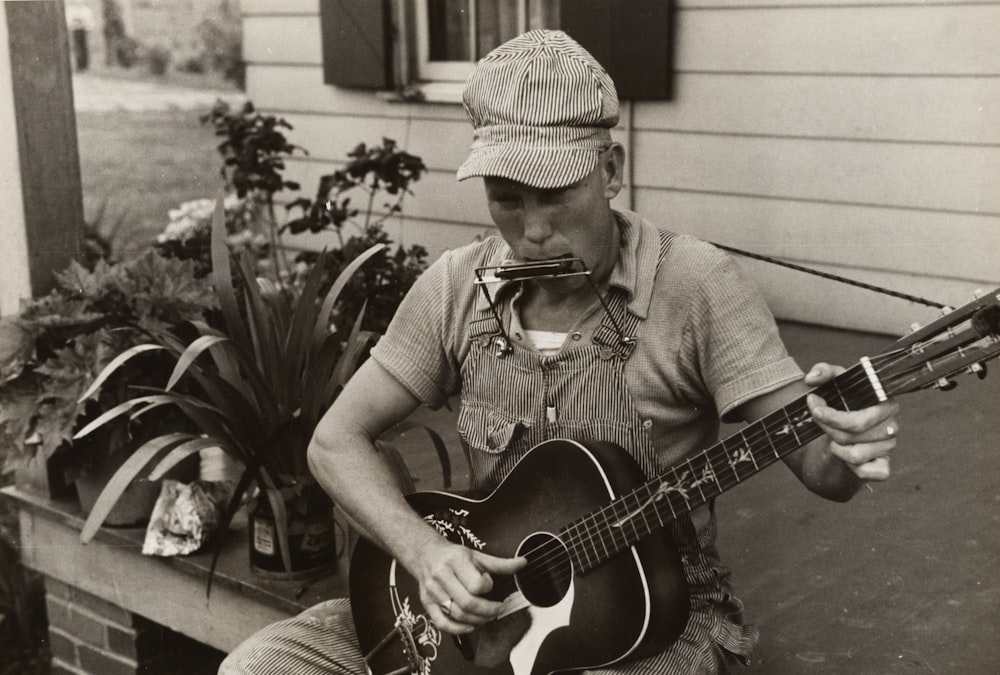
(139,165)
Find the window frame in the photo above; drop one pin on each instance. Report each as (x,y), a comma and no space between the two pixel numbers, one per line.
(443,81)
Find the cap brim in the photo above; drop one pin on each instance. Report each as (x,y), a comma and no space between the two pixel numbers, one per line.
(543,168)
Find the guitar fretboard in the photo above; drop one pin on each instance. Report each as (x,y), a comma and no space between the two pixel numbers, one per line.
(702,477)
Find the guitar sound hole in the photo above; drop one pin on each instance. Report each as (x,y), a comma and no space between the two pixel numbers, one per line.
(546,578)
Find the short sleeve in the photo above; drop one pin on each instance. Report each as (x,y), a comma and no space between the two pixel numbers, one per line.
(731,333)
(417,348)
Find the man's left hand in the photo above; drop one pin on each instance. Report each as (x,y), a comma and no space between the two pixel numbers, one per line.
(862,439)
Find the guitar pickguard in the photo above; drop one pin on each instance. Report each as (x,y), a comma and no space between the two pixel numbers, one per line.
(544,620)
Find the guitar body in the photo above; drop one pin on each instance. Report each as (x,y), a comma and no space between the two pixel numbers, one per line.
(555,618)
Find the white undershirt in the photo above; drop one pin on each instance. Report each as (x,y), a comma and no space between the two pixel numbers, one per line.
(546,341)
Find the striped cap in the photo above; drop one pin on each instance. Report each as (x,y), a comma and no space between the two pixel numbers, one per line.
(541,108)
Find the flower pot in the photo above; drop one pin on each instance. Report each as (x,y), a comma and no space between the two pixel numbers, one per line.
(311,535)
(136,503)
(44,476)
(131,509)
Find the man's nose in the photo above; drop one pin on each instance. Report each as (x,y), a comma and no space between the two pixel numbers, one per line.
(536,227)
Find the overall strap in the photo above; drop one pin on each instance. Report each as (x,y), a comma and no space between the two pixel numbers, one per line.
(618,331)
(485,322)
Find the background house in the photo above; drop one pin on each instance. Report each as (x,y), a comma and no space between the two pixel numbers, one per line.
(861,138)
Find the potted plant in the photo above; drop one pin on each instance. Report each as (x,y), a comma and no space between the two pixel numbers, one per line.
(261,384)
(52,352)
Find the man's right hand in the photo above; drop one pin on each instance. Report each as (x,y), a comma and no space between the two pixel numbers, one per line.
(453,580)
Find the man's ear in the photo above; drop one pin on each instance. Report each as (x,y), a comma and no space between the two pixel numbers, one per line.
(613,169)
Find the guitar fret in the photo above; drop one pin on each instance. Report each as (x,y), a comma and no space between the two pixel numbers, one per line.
(635,528)
(731,463)
(645,521)
(679,485)
(670,504)
(618,531)
(582,546)
(697,481)
(840,394)
(742,454)
(789,427)
(770,442)
(591,532)
(600,531)
(712,458)
(568,539)
(747,443)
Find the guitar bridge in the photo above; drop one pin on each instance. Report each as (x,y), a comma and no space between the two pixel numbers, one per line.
(403,631)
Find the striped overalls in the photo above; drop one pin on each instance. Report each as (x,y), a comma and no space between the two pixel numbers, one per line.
(514,398)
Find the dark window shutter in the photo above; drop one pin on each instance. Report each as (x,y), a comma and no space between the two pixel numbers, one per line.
(356,45)
(632,39)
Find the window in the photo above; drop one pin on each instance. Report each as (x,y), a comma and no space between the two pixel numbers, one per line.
(429,46)
(452,34)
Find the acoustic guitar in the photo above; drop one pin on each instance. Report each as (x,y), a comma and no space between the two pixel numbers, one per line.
(603,582)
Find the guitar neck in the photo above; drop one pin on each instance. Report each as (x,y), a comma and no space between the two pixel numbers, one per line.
(695,481)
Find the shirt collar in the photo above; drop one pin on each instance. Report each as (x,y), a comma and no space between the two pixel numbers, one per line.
(639,251)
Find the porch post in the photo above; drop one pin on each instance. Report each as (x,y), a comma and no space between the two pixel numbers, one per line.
(41,199)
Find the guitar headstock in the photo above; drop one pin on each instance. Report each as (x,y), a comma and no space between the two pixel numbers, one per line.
(960,341)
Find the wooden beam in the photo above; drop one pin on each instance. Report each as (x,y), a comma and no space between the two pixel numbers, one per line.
(42,89)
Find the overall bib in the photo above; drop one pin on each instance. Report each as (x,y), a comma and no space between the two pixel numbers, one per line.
(514,398)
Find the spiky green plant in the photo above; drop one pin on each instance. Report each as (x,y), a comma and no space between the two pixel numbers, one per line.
(262,383)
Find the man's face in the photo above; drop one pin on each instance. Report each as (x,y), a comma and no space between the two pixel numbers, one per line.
(573,221)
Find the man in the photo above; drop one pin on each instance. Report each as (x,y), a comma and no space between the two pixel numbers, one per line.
(680,339)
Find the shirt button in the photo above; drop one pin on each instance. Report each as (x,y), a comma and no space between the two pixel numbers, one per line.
(647,424)
(576,335)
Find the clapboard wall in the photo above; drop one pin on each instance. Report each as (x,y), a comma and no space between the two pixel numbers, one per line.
(859,138)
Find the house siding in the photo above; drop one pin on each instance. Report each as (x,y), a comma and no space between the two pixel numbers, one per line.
(858,138)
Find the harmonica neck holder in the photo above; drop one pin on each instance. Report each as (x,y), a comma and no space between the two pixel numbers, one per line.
(556,268)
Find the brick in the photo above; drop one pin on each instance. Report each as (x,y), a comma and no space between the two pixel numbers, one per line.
(59,667)
(62,646)
(103,608)
(57,611)
(103,662)
(87,628)
(123,641)
(58,589)
(140,645)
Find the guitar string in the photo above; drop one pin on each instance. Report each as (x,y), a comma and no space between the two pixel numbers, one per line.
(782,447)
(575,542)
(588,528)
(592,531)
(852,385)
(854,381)
(542,567)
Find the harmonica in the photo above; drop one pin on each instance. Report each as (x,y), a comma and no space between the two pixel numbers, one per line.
(537,269)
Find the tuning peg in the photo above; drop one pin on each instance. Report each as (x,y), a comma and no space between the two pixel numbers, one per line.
(944,384)
(979,369)
(946,310)
(914,327)
(978,293)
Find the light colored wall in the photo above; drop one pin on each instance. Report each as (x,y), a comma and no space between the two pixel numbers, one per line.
(860,138)
(15,279)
